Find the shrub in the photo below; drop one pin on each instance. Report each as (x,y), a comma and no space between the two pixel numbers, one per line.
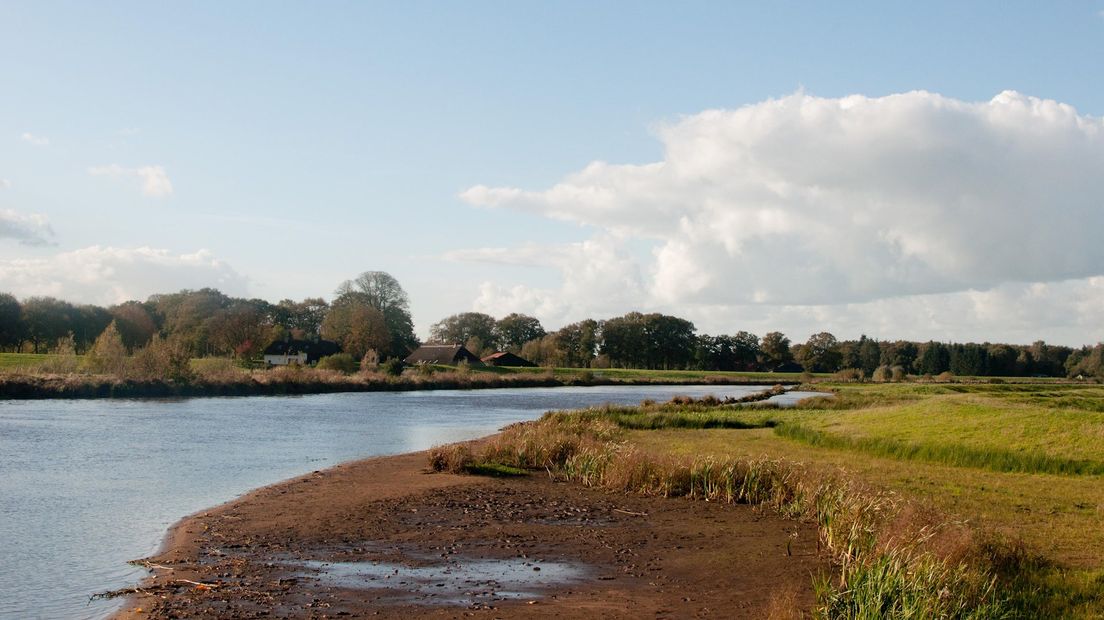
(945,376)
(850,375)
(897,373)
(108,354)
(169,360)
(341,362)
(392,367)
(881,374)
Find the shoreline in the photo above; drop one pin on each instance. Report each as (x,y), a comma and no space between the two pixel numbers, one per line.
(63,387)
(260,552)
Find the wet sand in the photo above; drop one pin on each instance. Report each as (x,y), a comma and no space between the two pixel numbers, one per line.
(386,538)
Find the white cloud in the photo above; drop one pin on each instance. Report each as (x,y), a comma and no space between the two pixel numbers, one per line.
(5,183)
(26,228)
(155,181)
(809,200)
(107,275)
(818,203)
(34,140)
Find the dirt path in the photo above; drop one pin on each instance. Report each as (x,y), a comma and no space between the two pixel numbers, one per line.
(383,538)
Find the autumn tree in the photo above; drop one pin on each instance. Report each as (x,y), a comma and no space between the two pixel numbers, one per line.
(108,354)
(135,324)
(357,327)
(242,330)
(383,292)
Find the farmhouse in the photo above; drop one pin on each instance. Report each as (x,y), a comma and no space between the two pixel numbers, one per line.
(444,354)
(302,352)
(504,358)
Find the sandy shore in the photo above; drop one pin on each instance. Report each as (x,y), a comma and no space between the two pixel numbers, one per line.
(383,537)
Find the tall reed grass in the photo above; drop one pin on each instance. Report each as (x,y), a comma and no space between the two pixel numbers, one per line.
(891,564)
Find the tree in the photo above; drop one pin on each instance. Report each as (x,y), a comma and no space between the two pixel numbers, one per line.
(87,323)
(776,348)
(11,324)
(463,327)
(302,318)
(934,358)
(108,354)
(512,331)
(870,355)
(820,353)
(242,330)
(383,292)
(186,315)
(577,343)
(45,321)
(357,327)
(135,324)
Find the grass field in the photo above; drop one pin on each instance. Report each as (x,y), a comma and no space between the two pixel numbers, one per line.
(981,453)
(15,361)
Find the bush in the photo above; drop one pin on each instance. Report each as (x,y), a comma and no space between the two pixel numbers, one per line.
(897,373)
(882,374)
(341,362)
(169,360)
(392,367)
(850,374)
(108,354)
(946,376)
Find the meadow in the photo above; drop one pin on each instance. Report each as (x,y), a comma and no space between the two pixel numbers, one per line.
(990,495)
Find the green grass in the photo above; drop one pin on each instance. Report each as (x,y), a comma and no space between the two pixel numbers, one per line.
(1019,461)
(16,361)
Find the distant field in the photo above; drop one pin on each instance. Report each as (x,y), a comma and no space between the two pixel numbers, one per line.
(9,361)
(945,446)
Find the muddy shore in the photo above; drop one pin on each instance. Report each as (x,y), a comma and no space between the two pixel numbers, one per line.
(383,537)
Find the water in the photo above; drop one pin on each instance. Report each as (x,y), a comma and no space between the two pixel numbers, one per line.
(86,485)
(457,580)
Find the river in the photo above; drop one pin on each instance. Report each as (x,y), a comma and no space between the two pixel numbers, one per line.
(86,485)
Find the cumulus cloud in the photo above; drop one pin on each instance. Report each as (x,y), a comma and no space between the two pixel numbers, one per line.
(155,181)
(108,275)
(808,200)
(26,228)
(34,140)
(5,183)
(840,213)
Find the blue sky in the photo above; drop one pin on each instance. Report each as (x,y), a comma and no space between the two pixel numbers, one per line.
(276,149)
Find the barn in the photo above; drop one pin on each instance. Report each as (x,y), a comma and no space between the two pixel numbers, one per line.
(505,358)
(444,354)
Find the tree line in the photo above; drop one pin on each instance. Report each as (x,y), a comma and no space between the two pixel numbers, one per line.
(658,341)
(369,312)
(370,315)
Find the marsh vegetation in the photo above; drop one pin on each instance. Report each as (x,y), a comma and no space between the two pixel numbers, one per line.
(969,501)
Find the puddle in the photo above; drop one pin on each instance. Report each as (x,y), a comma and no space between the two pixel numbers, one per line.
(457,581)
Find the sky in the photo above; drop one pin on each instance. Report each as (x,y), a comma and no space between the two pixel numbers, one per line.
(901,170)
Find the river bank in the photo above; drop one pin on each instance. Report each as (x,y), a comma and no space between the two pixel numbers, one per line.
(20,386)
(386,537)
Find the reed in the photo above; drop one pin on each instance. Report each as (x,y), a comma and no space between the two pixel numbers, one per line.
(887,567)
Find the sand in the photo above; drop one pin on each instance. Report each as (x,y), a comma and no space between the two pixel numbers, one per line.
(384,537)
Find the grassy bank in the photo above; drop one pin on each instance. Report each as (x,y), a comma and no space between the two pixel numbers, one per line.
(979,501)
(222,378)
